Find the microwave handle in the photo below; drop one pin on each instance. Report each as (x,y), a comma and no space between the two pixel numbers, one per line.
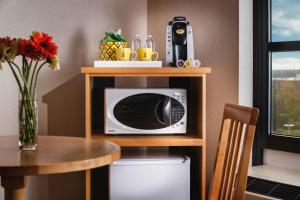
(166,111)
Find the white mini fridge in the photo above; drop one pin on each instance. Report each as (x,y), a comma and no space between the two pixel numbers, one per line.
(150,178)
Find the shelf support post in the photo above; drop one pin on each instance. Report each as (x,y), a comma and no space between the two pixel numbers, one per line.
(88,131)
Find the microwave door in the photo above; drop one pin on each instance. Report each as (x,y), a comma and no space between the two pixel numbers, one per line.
(143,111)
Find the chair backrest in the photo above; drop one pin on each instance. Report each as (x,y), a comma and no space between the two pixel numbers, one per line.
(233,154)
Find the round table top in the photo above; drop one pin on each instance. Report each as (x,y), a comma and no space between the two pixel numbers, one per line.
(55,155)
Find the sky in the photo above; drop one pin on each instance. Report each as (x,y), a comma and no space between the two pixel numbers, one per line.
(286,60)
(285,20)
(285,26)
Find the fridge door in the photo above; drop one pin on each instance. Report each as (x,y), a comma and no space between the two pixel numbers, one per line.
(150,179)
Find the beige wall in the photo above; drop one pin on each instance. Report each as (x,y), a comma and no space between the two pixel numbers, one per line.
(215,28)
(77,26)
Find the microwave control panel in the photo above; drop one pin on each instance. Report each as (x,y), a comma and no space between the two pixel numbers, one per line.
(177,110)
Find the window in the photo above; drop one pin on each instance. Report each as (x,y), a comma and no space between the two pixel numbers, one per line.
(276,81)
(285,90)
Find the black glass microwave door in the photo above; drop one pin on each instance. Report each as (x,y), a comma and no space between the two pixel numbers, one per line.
(143,111)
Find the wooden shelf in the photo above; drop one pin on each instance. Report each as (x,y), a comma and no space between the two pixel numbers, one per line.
(194,80)
(150,72)
(145,140)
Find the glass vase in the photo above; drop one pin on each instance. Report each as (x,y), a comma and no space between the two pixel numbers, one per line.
(27,123)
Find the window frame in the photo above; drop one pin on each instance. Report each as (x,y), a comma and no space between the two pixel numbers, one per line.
(262,49)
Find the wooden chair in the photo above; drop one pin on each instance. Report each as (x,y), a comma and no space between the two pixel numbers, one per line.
(233,154)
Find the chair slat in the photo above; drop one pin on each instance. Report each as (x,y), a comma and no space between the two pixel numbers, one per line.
(243,168)
(233,168)
(216,184)
(232,136)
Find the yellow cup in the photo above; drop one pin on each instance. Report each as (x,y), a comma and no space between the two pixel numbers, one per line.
(124,54)
(146,54)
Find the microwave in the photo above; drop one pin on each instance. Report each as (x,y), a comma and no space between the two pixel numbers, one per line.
(145,111)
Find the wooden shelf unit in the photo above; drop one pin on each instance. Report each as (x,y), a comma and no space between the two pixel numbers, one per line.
(147,72)
(147,141)
(192,144)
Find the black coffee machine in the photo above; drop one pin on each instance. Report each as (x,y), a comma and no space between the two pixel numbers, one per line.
(179,41)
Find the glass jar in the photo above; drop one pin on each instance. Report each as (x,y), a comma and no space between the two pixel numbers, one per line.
(28,121)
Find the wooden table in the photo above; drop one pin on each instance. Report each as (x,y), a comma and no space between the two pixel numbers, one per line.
(54,155)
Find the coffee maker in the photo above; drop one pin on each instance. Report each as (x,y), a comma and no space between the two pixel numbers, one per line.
(179,41)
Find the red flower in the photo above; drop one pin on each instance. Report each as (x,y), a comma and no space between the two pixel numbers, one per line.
(44,43)
(28,49)
(7,41)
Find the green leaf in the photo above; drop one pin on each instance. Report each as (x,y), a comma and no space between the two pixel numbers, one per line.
(118,38)
(123,39)
(112,37)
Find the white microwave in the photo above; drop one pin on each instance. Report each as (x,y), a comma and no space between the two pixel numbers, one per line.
(145,111)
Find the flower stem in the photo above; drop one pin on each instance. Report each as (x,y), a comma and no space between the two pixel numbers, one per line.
(36,77)
(16,76)
(27,71)
(22,77)
(32,76)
